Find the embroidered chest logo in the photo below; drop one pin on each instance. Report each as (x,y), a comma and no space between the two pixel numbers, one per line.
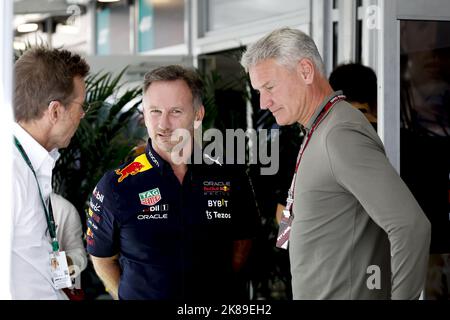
(140,164)
(216,187)
(150,197)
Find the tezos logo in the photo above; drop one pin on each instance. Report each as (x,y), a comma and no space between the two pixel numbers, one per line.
(217,215)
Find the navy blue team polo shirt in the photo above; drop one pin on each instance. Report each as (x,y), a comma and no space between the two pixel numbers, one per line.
(175,240)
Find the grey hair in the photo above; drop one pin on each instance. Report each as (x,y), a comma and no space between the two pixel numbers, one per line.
(287,46)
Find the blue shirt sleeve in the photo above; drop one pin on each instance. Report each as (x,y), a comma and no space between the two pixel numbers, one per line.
(102,231)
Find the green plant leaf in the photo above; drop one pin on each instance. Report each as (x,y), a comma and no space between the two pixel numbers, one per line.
(105,137)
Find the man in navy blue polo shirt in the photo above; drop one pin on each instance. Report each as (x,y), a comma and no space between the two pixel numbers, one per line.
(160,228)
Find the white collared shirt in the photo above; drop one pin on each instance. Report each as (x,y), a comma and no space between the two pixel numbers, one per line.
(31,243)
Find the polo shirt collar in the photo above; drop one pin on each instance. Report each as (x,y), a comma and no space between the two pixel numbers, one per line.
(319,109)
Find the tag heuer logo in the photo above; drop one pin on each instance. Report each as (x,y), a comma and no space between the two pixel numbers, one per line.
(150,197)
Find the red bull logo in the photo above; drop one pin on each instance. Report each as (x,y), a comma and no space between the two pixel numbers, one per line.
(140,164)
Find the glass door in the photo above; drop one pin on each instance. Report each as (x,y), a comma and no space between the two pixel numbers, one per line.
(425,134)
(423,54)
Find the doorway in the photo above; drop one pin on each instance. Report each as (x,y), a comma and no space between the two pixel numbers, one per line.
(415,101)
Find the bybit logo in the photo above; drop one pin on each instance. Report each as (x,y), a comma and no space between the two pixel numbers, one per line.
(217,203)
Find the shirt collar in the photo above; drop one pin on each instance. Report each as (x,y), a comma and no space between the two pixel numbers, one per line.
(153,157)
(319,109)
(157,162)
(35,152)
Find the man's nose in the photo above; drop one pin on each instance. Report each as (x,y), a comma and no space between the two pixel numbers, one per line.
(264,101)
(164,121)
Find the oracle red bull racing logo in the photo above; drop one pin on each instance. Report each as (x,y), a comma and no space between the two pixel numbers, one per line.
(216,187)
(140,164)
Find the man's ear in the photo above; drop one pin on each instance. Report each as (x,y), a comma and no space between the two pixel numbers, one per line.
(305,69)
(200,114)
(54,111)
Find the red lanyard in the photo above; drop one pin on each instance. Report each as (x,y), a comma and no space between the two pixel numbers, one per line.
(330,104)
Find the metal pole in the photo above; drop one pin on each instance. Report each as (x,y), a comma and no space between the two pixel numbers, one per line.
(6,61)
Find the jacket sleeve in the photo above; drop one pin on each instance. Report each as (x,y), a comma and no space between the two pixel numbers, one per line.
(359,164)
(70,234)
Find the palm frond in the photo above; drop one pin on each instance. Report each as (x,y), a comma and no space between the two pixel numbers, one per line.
(104,138)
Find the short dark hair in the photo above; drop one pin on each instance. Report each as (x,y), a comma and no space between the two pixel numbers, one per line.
(177,72)
(42,75)
(358,82)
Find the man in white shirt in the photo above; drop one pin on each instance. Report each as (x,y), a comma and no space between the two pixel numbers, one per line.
(48,106)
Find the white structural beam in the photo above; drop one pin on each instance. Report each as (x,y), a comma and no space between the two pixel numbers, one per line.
(347,20)
(322,31)
(388,30)
(6,61)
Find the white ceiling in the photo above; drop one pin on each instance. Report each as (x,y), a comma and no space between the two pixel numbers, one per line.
(52,7)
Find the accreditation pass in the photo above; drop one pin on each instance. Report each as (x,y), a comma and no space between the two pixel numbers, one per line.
(59,270)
